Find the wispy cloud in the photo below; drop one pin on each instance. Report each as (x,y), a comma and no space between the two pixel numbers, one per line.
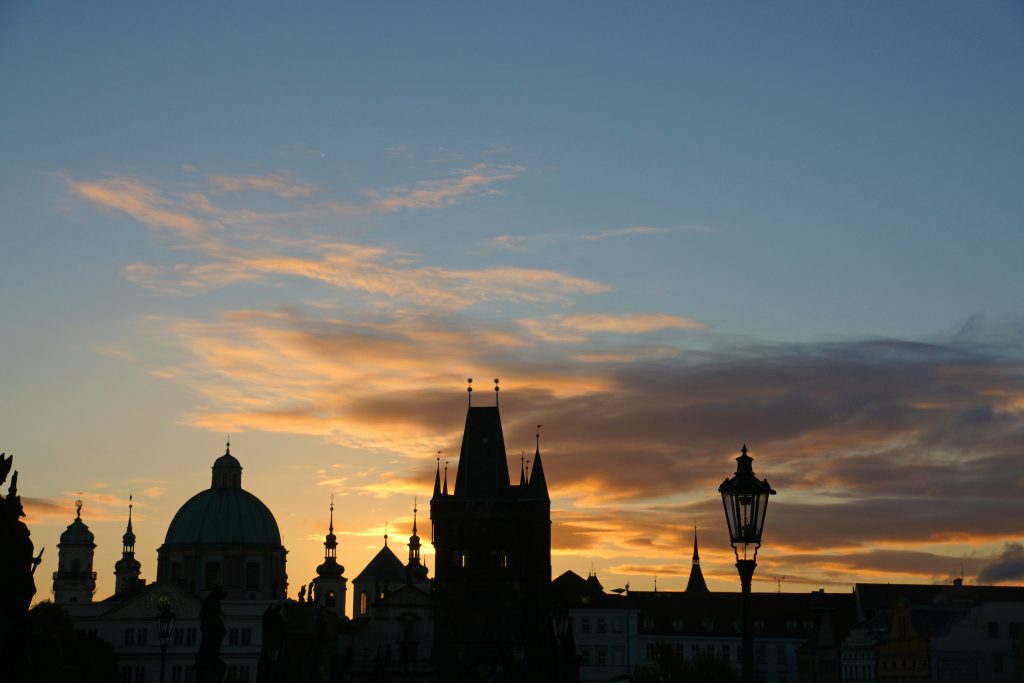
(624,232)
(577,327)
(465,184)
(139,200)
(281,184)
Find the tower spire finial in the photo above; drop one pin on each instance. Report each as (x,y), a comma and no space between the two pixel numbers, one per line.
(385,534)
(415,502)
(469,392)
(78,506)
(445,490)
(227,446)
(496,389)
(331,527)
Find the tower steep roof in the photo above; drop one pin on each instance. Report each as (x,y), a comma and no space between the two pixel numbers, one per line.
(483,469)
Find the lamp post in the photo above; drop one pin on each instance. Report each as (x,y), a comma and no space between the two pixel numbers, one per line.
(745,499)
(164,623)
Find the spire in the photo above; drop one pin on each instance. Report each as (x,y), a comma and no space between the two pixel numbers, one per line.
(127,569)
(522,471)
(129,536)
(330,567)
(437,477)
(445,491)
(414,569)
(496,380)
(696,583)
(538,484)
(385,534)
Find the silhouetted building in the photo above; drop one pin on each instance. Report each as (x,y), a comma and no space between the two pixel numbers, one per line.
(492,541)
(225,535)
(330,583)
(75,580)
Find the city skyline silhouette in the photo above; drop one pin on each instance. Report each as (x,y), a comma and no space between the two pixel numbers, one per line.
(669,231)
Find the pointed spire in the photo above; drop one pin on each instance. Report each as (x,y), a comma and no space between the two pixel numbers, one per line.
(330,526)
(385,534)
(437,476)
(696,583)
(469,392)
(129,536)
(538,484)
(415,503)
(445,490)
(496,380)
(522,470)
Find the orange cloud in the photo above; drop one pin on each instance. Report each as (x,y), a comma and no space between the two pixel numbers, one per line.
(139,200)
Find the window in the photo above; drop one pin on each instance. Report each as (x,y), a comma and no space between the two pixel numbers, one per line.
(176,673)
(725,652)
(126,674)
(232,672)
(129,637)
(143,636)
(190,674)
(651,650)
(584,624)
(190,636)
(233,636)
(362,604)
(178,637)
(584,656)
(780,654)
(243,672)
(997,663)
(616,624)
(993,629)
(246,636)
(602,656)
(140,674)
(252,576)
(503,559)
(600,625)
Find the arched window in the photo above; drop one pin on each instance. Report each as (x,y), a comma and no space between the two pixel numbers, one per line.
(329,600)
(363,603)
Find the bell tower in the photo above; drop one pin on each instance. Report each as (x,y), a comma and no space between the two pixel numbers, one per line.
(74,580)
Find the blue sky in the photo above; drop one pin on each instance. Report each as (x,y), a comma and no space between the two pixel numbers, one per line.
(307,226)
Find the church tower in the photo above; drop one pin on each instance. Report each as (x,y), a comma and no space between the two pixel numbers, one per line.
(74,580)
(330,584)
(492,567)
(127,569)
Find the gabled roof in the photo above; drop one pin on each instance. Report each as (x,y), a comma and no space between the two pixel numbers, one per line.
(385,567)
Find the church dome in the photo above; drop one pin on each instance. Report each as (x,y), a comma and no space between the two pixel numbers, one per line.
(77,533)
(225,513)
(223,516)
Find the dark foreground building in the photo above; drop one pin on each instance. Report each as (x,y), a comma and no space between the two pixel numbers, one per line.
(494,617)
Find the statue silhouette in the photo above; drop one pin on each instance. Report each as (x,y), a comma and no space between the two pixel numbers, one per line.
(17,567)
(209,666)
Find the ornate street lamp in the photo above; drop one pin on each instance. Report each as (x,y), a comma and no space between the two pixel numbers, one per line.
(164,624)
(745,498)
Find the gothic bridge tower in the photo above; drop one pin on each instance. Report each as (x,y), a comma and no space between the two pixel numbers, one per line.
(492,542)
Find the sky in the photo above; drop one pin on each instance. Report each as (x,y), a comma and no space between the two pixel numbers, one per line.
(670,229)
